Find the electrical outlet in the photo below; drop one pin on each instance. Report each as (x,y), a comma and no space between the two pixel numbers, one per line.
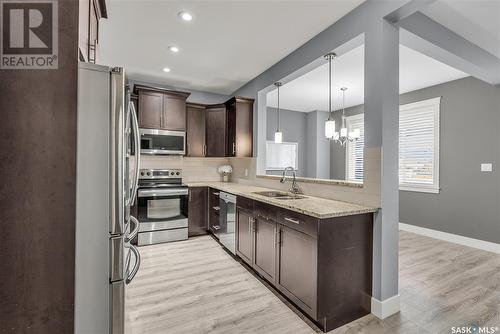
(246,171)
(487,167)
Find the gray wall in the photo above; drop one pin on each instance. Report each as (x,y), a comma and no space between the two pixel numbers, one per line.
(468,203)
(306,129)
(318,147)
(293,126)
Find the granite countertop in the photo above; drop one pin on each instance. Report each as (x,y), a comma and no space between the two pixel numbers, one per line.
(313,206)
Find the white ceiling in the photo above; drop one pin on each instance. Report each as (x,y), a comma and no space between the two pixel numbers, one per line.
(227,44)
(310,91)
(477,21)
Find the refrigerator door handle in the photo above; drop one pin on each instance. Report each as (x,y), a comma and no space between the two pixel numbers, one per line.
(137,264)
(134,232)
(137,145)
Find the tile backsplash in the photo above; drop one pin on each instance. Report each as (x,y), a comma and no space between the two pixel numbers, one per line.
(193,169)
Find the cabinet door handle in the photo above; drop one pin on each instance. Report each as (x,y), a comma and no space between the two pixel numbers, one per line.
(234,148)
(190,196)
(205,150)
(291,220)
(216,208)
(216,194)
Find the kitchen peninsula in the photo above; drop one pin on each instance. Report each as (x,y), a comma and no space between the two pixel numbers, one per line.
(316,252)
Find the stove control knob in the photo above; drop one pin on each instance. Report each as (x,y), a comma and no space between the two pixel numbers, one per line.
(171,173)
(142,173)
(148,173)
(178,173)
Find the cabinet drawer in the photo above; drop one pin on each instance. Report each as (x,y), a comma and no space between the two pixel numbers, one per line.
(264,211)
(245,203)
(297,221)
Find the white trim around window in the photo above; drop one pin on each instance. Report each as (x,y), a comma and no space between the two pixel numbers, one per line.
(419,132)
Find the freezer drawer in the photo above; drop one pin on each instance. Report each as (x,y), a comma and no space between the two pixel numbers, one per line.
(155,237)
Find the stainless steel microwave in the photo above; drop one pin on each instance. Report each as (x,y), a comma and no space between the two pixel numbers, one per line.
(163,142)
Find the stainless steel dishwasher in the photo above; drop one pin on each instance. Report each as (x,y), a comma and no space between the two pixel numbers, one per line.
(227,221)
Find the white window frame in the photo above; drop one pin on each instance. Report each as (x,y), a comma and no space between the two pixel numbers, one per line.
(296,155)
(435,104)
(348,120)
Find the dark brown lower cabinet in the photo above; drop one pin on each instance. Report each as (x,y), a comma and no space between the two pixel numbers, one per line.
(323,266)
(265,242)
(297,268)
(213,210)
(244,235)
(197,212)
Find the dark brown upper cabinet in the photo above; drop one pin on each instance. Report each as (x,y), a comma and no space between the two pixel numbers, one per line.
(90,12)
(216,130)
(161,108)
(195,126)
(239,139)
(150,110)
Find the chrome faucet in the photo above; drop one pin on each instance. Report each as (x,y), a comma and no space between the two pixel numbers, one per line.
(295,188)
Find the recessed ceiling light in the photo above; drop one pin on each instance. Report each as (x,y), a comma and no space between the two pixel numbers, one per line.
(166,69)
(185,16)
(173,48)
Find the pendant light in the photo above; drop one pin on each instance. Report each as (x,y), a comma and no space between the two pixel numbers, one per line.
(330,122)
(278,135)
(345,136)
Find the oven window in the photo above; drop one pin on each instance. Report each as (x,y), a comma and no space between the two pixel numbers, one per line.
(162,142)
(163,208)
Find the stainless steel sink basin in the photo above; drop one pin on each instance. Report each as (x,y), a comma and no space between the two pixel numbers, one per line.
(278,195)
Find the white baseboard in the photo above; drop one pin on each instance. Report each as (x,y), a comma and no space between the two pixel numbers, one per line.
(457,239)
(386,308)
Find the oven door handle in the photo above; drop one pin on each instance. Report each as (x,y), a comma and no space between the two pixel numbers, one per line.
(161,192)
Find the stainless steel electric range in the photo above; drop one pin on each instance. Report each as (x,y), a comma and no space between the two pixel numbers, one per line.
(162,206)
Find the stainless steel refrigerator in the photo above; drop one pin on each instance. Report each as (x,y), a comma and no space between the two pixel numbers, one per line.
(107,177)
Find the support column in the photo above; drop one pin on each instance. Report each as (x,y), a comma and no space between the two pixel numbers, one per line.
(381,149)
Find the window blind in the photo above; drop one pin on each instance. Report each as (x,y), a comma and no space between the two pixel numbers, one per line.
(354,150)
(279,156)
(419,145)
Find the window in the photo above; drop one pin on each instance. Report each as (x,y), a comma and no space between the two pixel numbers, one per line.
(354,150)
(280,156)
(418,147)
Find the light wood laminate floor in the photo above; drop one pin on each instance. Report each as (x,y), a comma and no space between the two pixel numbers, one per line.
(194,286)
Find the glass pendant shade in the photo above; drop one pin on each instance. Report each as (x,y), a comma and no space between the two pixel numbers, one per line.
(278,137)
(329,128)
(343,132)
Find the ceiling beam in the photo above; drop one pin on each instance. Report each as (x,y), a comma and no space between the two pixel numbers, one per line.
(408,9)
(421,33)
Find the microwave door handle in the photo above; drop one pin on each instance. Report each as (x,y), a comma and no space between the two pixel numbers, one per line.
(137,264)
(137,142)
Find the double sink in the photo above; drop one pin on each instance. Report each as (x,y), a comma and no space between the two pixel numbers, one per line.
(279,195)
